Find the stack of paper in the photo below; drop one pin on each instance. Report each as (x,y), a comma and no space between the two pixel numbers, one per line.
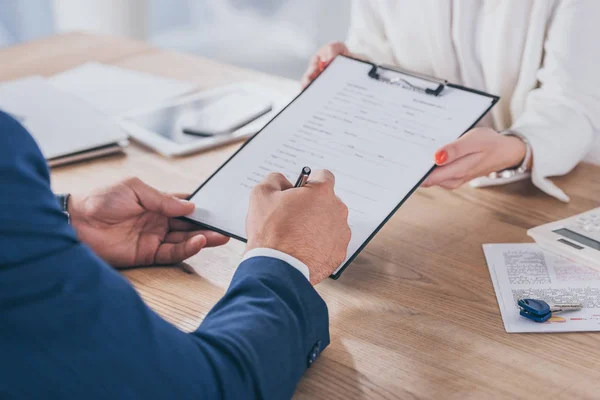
(116,91)
(65,128)
(73,115)
(525,271)
(81,112)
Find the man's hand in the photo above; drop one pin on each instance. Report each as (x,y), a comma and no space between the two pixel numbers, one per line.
(309,223)
(131,224)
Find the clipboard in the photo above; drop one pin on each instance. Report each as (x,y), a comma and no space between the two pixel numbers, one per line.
(386,75)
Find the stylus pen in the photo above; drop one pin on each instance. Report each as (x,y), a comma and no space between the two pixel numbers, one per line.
(303,178)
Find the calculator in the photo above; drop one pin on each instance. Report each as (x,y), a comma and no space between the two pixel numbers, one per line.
(576,238)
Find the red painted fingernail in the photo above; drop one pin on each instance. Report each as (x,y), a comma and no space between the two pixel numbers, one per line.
(441,157)
(321,65)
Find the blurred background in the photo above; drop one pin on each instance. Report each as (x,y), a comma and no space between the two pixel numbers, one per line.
(274,36)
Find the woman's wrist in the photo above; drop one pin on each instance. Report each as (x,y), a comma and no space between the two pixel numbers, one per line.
(515,151)
(518,152)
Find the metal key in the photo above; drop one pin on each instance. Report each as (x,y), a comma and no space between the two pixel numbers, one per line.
(540,311)
(566,307)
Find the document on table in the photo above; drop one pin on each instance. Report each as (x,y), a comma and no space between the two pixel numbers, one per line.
(525,271)
(61,124)
(377,138)
(117,91)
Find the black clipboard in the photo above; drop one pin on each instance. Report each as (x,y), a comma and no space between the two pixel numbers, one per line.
(376,72)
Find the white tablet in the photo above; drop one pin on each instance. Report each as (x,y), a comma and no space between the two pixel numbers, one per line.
(200,121)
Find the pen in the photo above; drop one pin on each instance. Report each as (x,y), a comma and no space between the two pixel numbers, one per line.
(303,178)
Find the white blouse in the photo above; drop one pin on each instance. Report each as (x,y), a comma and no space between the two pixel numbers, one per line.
(540,56)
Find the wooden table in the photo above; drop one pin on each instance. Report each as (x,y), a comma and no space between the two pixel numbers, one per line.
(415,316)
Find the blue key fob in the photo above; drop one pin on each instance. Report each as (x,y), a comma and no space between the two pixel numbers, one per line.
(535,310)
(535,318)
(533,306)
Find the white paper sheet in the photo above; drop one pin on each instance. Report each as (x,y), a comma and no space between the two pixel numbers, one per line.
(61,123)
(116,91)
(525,271)
(377,138)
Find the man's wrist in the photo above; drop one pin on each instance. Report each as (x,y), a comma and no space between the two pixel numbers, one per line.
(75,210)
(63,203)
(272,253)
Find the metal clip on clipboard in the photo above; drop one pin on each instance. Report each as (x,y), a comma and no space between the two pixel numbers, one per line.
(374,73)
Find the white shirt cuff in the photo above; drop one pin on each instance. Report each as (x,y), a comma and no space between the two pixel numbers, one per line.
(294,262)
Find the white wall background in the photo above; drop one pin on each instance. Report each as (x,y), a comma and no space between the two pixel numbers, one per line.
(275,36)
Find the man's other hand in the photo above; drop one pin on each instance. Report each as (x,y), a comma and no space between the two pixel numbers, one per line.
(309,223)
(132,224)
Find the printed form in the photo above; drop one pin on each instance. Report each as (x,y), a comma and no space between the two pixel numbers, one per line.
(377,138)
(524,270)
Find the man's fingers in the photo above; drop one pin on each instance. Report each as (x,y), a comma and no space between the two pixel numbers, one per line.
(322,177)
(178,225)
(156,201)
(181,236)
(173,253)
(212,238)
(276,182)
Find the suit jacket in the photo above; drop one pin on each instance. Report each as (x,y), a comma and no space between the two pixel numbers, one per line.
(73,327)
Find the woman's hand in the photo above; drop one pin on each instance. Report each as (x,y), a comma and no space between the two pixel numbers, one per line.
(479,152)
(132,224)
(320,60)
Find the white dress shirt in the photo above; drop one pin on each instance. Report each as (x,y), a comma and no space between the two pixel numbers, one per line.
(540,56)
(294,262)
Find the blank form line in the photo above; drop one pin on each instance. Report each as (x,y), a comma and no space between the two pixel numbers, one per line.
(357,194)
(338,172)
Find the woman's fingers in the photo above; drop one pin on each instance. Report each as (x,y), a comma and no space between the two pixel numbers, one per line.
(333,50)
(311,71)
(452,184)
(455,173)
(474,141)
(479,152)
(320,60)
(464,159)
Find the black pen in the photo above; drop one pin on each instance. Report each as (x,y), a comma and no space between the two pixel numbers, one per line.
(303,178)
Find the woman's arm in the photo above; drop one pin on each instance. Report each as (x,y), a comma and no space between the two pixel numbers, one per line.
(558,118)
(562,114)
(366,34)
(366,40)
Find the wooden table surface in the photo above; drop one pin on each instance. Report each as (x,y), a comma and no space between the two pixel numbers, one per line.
(414,316)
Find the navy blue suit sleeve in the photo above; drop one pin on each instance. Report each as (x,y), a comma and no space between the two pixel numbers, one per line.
(72,327)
